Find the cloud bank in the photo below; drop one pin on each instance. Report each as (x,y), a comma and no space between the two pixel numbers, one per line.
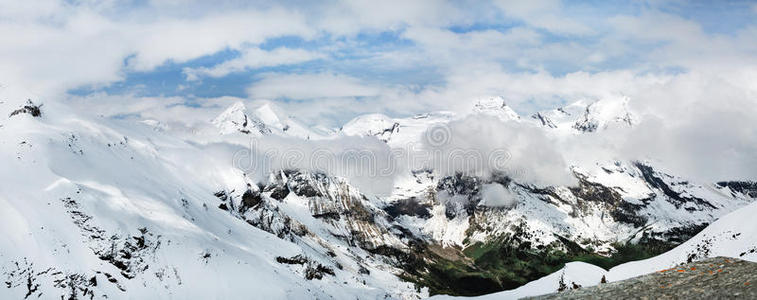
(690,79)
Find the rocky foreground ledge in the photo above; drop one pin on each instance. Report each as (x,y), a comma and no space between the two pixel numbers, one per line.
(714,278)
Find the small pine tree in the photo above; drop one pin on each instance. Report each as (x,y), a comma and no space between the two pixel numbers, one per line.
(561,286)
(603,280)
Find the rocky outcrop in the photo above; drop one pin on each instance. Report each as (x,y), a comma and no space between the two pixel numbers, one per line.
(715,278)
(747,188)
(30,108)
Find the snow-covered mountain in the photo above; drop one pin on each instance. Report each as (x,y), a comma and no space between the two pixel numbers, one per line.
(495,106)
(264,120)
(731,236)
(397,132)
(404,132)
(99,207)
(584,116)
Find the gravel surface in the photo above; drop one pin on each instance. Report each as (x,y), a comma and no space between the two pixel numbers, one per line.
(714,278)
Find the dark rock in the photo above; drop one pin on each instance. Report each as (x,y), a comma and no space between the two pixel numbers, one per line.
(409,207)
(29,108)
(673,197)
(250,199)
(279,192)
(748,188)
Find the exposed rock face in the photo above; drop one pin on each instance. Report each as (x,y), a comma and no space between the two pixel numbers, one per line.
(343,211)
(586,123)
(746,188)
(446,221)
(130,254)
(676,197)
(610,211)
(544,120)
(30,108)
(624,212)
(715,278)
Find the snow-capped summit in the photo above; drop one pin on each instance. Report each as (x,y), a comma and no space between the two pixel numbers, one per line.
(583,116)
(495,106)
(603,114)
(377,125)
(286,125)
(397,132)
(235,118)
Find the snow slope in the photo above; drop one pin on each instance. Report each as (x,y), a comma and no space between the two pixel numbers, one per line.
(733,235)
(101,207)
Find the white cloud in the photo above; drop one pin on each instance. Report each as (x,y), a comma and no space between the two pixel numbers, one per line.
(51,46)
(495,195)
(544,14)
(700,125)
(366,162)
(310,86)
(79,44)
(184,39)
(351,17)
(254,58)
(482,145)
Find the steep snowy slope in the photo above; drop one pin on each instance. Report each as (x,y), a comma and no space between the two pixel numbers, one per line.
(97,207)
(733,235)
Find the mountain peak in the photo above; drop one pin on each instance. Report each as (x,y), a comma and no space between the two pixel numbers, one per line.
(235,118)
(370,124)
(495,106)
(267,114)
(605,113)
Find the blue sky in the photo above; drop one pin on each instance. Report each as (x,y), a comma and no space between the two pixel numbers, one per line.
(398,57)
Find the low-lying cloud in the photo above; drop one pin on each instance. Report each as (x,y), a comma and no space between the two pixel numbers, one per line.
(480,145)
(496,195)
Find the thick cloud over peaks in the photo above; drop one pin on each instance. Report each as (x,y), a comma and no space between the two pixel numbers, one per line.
(690,79)
(481,145)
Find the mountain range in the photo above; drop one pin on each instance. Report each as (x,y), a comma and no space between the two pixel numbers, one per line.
(99,207)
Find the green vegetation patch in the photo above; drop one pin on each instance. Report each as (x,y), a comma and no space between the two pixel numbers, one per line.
(507,263)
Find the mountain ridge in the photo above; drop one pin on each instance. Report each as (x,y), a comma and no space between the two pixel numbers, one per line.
(141,211)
